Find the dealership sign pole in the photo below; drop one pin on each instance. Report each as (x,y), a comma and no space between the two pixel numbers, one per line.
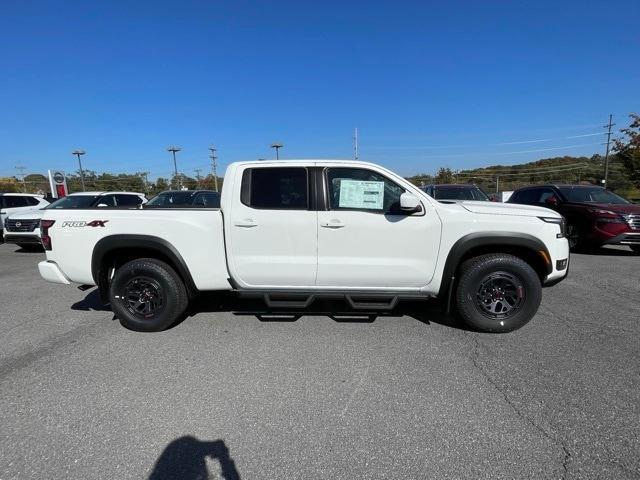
(58,184)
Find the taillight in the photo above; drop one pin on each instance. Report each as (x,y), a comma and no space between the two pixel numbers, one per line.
(45,225)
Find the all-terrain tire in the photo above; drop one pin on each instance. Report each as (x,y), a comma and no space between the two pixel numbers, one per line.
(497,293)
(147,295)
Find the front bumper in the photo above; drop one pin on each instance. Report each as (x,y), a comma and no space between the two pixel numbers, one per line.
(628,238)
(52,273)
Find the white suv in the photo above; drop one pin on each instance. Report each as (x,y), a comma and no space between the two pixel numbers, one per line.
(23,229)
(11,203)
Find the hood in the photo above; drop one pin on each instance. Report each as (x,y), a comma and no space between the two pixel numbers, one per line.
(495,208)
(35,214)
(623,208)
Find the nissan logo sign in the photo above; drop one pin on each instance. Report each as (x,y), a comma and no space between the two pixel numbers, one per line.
(58,177)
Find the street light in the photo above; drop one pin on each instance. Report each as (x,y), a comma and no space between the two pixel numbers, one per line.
(173,150)
(79,153)
(277,146)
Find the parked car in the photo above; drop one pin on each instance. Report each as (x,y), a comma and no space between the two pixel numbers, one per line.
(291,232)
(22,228)
(595,216)
(185,199)
(11,203)
(455,191)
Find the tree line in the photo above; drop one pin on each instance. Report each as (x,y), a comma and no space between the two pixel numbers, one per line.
(624,174)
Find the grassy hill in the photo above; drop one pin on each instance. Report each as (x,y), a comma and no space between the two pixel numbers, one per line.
(548,170)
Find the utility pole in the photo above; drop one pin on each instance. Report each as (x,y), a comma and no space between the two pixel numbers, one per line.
(277,146)
(606,155)
(497,183)
(173,150)
(197,170)
(21,169)
(79,153)
(213,158)
(355,144)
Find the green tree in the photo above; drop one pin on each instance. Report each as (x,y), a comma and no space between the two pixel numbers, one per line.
(444,175)
(627,149)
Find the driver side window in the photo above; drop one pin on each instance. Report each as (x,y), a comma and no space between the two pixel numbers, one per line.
(361,189)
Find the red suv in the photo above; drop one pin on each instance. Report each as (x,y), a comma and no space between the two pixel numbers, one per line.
(595,216)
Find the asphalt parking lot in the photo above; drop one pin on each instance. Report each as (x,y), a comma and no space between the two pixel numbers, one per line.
(223,395)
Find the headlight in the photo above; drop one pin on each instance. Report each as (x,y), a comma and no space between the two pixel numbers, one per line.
(558,221)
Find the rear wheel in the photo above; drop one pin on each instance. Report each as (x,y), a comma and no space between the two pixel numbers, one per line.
(497,293)
(147,295)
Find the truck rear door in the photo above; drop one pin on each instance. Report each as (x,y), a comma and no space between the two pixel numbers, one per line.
(272,228)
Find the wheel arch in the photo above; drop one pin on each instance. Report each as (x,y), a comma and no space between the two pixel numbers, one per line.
(115,250)
(527,247)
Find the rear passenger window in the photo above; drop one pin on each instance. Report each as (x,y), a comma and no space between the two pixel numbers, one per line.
(278,188)
(128,200)
(32,201)
(15,201)
(107,201)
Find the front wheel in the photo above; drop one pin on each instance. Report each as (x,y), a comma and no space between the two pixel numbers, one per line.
(635,248)
(147,295)
(497,293)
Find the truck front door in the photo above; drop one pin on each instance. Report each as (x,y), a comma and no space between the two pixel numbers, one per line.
(365,240)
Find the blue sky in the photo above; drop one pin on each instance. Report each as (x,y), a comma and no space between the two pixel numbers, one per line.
(427,84)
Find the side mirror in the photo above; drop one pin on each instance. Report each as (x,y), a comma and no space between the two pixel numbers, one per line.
(551,201)
(409,203)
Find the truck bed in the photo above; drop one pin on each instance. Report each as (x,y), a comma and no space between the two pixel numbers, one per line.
(196,234)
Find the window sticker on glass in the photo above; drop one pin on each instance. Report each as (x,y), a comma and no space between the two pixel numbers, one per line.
(361,194)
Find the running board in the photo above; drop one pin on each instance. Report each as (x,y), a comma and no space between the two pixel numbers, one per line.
(357,300)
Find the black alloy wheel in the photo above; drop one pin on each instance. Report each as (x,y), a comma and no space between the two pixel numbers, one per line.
(500,295)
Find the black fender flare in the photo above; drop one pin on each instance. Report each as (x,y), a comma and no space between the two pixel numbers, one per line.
(110,243)
(481,239)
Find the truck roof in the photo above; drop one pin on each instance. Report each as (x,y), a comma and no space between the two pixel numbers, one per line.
(309,161)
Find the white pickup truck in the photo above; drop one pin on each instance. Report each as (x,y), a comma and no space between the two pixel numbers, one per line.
(291,232)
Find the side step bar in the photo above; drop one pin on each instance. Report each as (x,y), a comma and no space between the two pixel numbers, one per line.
(357,300)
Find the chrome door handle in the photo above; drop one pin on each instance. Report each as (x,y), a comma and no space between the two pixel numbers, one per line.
(246,223)
(332,225)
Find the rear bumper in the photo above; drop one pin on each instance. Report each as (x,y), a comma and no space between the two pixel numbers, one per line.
(21,238)
(629,238)
(52,273)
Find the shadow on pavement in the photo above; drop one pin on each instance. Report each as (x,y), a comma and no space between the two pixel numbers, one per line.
(608,252)
(188,458)
(91,302)
(338,311)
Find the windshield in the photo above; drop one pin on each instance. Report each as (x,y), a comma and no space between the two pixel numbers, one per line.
(459,193)
(592,195)
(172,199)
(74,201)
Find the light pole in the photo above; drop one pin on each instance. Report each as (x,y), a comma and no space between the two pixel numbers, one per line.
(173,150)
(277,146)
(79,153)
